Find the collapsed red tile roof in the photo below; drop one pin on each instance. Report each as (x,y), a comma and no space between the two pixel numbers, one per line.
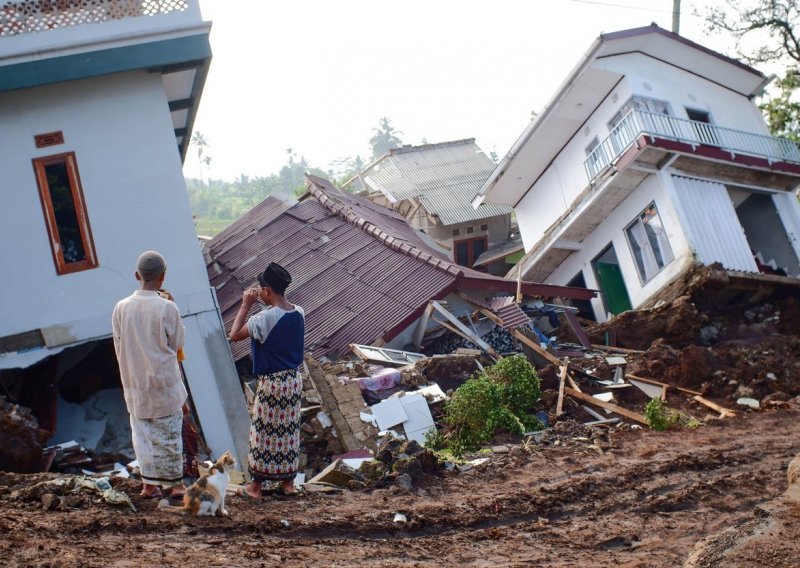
(360,271)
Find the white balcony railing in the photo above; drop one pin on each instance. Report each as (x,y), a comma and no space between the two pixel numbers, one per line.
(638,122)
(31,16)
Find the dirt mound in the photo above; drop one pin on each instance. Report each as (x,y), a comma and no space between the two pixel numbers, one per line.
(769,539)
(21,440)
(709,305)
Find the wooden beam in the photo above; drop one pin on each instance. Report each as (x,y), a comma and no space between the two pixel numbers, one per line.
(573,322)
(562,379)
(572,383)
(616,349)
(714,406)
(607,405)
(536,347)
(413,211)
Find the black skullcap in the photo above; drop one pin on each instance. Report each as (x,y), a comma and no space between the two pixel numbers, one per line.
(276,277)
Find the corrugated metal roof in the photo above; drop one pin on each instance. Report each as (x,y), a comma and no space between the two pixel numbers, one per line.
(359,270)
(444,177)
(512,316)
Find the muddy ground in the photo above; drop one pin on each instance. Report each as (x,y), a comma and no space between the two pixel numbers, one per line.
(645,501)
(622,496)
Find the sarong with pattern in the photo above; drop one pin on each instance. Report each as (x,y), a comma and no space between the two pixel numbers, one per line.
(275,432)
(158,446)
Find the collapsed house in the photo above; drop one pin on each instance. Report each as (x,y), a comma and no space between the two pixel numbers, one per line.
(362,274)
(652,155)
(97,101)
(368,282)
(431,186)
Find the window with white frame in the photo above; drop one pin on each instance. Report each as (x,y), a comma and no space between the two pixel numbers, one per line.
(640,103)
(649,244)
(594,159)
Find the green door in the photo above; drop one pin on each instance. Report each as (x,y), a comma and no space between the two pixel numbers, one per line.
(613,287)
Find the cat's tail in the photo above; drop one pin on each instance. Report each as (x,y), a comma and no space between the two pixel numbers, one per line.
(164,505)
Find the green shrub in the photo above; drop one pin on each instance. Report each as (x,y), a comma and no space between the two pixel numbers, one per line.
(501,397)
(659,417)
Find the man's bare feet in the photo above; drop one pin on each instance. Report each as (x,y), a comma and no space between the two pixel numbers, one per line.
(253,489)
(150,491)
(288,487)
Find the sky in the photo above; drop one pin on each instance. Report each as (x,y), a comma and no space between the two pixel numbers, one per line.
(315,76)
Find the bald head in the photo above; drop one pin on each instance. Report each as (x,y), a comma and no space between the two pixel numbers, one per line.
(151,266)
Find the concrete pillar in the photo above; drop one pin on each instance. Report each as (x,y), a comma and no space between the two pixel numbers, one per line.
(215,387)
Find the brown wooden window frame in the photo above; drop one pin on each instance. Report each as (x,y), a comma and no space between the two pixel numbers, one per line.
(470,249)
(63,267)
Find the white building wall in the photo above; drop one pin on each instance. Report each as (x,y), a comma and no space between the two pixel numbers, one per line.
(612,230)
(566,177)
(648,77)
(120,129)
(134,193)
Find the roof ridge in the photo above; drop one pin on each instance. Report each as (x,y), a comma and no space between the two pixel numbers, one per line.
(412,148)
(394,243)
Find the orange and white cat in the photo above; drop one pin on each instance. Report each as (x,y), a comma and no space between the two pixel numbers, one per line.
(206,496)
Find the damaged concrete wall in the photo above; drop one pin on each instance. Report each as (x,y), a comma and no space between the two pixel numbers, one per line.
(345,403)
(215,386)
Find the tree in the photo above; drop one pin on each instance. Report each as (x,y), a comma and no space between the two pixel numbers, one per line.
(386,138)
(774,25)
(201,144)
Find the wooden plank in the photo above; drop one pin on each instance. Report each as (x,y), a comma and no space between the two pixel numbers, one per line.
(607,405)
(562,380)
(664,393)
(577,328)
(659,383)
(572,383)
(536,347)
(714,406)
(622,350)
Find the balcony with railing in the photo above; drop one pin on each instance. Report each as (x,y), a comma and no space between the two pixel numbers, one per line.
(33,16)
(638,123)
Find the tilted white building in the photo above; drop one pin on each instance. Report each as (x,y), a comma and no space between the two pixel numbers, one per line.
(651,155)
(97,101)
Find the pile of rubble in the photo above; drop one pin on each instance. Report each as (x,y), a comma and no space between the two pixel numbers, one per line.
(21,440)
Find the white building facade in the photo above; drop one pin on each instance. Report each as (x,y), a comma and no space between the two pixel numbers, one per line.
(97,101)
(651,156)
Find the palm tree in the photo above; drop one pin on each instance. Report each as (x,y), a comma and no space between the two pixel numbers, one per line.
(199,141)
